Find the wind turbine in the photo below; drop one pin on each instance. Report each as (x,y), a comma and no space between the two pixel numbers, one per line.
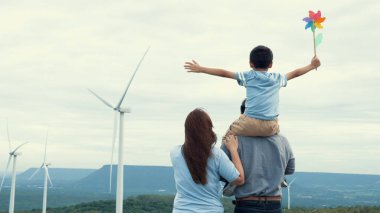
(289,192)
(120,166)
(12,154)
(47,177)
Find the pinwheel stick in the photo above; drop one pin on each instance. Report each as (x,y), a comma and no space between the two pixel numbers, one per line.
(315,49)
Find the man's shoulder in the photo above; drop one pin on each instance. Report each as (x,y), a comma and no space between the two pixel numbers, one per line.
(276,137)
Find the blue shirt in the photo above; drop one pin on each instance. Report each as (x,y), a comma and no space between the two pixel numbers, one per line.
(198,198)
(262,90)
(265,161)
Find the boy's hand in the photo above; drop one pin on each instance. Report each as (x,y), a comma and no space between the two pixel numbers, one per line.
(315,62)
(192,66)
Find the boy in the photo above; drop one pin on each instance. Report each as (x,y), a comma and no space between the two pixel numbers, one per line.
(262,91)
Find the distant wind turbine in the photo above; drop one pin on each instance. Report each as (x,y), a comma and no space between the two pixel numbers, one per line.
(12,154)
(120,166)
(289,185)
(47,177)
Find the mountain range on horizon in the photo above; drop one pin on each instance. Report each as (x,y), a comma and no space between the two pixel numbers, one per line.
(71,186)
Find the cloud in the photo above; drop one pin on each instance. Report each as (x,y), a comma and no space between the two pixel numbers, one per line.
(53,51)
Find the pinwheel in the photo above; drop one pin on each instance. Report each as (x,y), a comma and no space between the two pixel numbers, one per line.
(313,22)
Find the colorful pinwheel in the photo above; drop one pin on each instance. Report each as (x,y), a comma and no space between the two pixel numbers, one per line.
(313,22)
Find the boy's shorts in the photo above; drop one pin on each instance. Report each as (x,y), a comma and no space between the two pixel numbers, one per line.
(246,126)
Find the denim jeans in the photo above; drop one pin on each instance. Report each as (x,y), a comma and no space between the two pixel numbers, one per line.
(253,206)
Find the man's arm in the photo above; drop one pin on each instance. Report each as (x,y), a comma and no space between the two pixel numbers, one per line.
(303,70)
(195,67)
(290,167)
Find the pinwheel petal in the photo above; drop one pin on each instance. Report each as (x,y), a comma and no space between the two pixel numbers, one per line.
(317,16)
(320,20)
(318,25)
(308,25)
(307,19)
(311,14)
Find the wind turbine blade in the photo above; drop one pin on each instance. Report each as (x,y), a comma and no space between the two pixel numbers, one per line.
(35,172)
(113,147)
(19,147)
(292,181)
(101,99)
(47,173)
(9,140)
(130,81)
(5,172)
(47,132)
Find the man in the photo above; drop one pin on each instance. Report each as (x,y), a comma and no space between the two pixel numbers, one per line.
(265,162)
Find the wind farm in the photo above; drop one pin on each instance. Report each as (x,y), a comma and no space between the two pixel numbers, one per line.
(13,154)
(120,168)
(44,166)
(119,116)
(115,108)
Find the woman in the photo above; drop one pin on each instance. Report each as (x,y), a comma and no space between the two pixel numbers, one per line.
(199,166)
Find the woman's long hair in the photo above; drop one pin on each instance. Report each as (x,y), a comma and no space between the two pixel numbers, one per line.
(199,139)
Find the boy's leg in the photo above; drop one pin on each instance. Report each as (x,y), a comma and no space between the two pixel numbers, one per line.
(246,126)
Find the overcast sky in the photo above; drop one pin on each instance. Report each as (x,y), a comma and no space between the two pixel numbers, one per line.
(52,51)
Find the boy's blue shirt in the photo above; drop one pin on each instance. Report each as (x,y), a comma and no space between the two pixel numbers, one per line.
(262,92)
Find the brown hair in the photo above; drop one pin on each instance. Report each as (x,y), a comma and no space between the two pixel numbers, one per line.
(199,139)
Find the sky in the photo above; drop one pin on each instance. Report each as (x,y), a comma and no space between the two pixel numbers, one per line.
(52,51)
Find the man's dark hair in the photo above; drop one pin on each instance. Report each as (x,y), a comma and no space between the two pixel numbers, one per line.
(242,107)
(261,57)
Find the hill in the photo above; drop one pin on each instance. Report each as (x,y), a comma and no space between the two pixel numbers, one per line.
(331,189)
(59,176)
(313,190)
(137,180)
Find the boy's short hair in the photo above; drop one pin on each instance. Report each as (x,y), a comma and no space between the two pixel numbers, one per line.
(261,57)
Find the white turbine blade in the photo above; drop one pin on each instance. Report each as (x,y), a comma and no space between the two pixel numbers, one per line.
(47,173)
(19,147)
(101,99)
(46,145)
(5,172)
(130,81)
(9,140)
(113,147)
(35,172)
(292,181)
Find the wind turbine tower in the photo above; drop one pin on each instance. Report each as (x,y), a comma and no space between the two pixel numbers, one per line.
(120,166)
(46,179)
(12,155)
(289,185)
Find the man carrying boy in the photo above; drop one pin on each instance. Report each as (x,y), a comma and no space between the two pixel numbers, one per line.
(262,89)
(265,161)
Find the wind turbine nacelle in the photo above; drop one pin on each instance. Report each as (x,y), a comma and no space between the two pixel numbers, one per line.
(17,154)
(126,110)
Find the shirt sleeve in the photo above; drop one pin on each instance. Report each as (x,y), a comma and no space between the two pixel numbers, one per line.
(291,164)
(281,80)
(226,168)
(240,77)
(290,167)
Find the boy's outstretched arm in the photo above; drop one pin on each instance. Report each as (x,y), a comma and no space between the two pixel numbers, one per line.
(195,67)
(303,70)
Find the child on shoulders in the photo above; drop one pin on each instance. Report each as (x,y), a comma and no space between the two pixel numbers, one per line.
(262,91)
